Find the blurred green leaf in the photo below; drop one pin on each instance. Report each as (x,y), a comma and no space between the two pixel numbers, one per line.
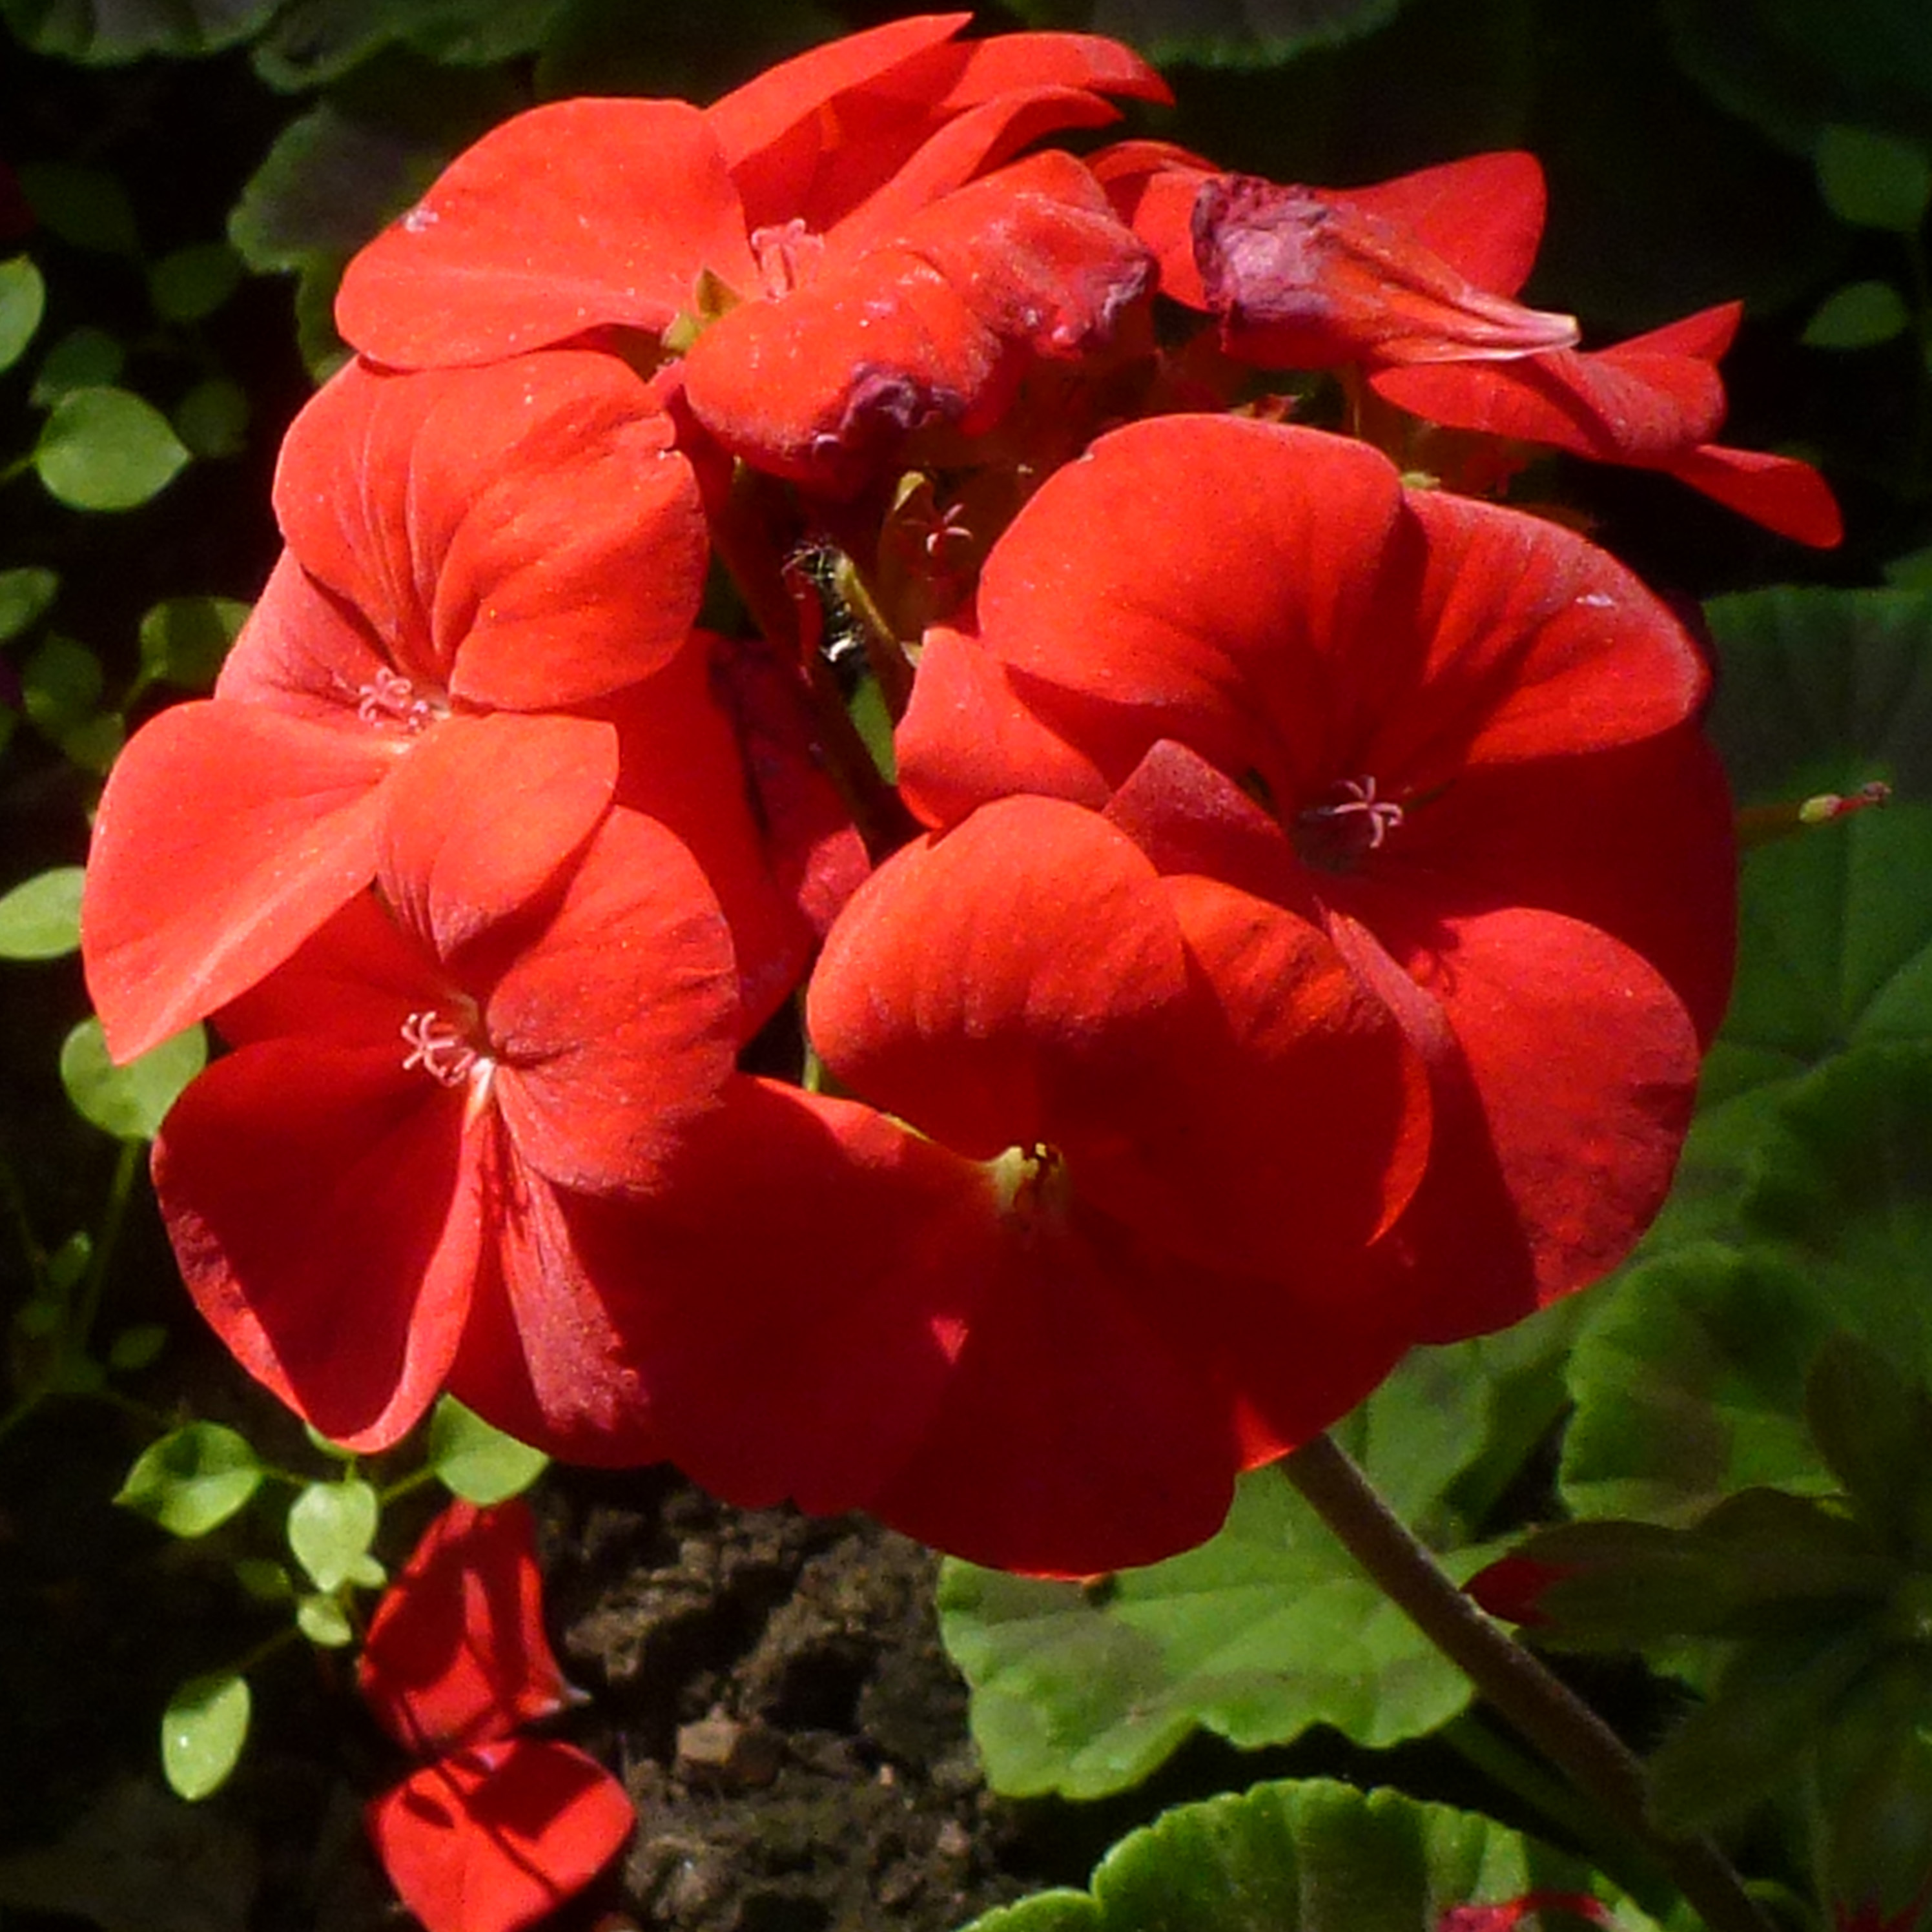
(106,449)
(1860,316)
(129,1101)
(136,1347)
(1873,180)
(202,1732)
(1305,1856)
(1235,33)
(265,1581)
(476,1462)
(110,31)
(212,418)
(61,685)
(324,1622)
(1265,1630)
(331,1527)
(314,42)
(23,301)
(25,595)
(85,357)
(190,284)
(86,207)
(184,640)
(40,919)
(194,1479)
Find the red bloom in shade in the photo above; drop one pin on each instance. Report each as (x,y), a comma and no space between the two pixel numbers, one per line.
(372,1196)
(1465,736)
(497,1830)
(827,225)
(1509,1913)
(463,547)
(1413,279)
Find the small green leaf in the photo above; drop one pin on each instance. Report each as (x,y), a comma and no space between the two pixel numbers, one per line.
(118,31)
(1873,180)
(25,595)
(191,283)
(40,1318)
(475,1461)
(194,1479)
(61,685)
(85,357)
(1859,315)
(23,301)
(323,1446)
(95,742)
(212,418)
(40,919)
(202,1732)
(331,1527)
(86,207)
(184,640)
(134,1348)
(324,1621)
(68,1262)
(265,1580)
(106,449)
(129,1101)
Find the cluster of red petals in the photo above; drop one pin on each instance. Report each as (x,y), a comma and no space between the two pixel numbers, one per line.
(1414,280)
(495,1830)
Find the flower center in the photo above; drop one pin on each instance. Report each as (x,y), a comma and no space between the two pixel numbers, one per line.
(443,1051)
(389,698)
(787,255)
(1352,821)
(1032,1184)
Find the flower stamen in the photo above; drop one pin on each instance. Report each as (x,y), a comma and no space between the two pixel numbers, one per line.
(1336,835)
(439,1048)
(390,698)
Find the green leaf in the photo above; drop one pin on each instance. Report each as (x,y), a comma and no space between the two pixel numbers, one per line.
(40,919)
(106,449)
(265,1581)
(194,1479)
(202,1732)
(1859,315)
(84,357)
(129,1101)
(1873,180)
(136,1347)
(1257,1635)
(475,1461)
(314,42)
(184,639)
(25,595)
(190,284)
(61,685)
(331,1527)
(86,207)
(323,1621)
(109,31)
(1230,33)
(212,418)
(1306,1856)
(23,301)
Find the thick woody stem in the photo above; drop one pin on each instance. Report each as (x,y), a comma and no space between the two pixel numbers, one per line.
(1540,1707)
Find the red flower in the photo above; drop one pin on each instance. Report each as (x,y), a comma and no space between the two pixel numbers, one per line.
(376,1193)
(1462,738)
(496,1831)
(463,547)
(813,239)
(1506,1915)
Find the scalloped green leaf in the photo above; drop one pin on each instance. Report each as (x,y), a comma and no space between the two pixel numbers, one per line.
(1306,1856)
(314,42)
(23,301)
(105,448)
(477,1462)
(108,32)
(194,1479)
(40,919)
(331,1527)
(202,1731)
(129,1101)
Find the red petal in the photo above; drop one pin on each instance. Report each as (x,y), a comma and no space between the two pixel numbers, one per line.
(326,1207)
(304,651)
(227,834)
(574,215)
(1779,492)
(456,1651)
(1482,215)
(496,1838)
(523,535)
(484,813)
(616,1022)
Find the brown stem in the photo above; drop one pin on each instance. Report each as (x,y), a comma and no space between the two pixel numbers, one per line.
(1543,1708)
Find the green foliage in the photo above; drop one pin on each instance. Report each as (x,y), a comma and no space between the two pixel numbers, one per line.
(194,1479)
(202,1732)
(331,1527)
(475,1461)
(1309,1856)
(23,301)
(1859,315)
(40,919)
(184,641)
(128,1101)
(104,448)
(1872,180)
(114,30)
(1221,33)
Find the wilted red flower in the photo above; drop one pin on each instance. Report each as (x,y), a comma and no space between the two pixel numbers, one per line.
(495,1831)
(373,1196)
(823,243)
(1461,739)
(464,547)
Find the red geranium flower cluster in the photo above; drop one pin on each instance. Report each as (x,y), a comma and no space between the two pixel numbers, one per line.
(1284,928)
(496,1829)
